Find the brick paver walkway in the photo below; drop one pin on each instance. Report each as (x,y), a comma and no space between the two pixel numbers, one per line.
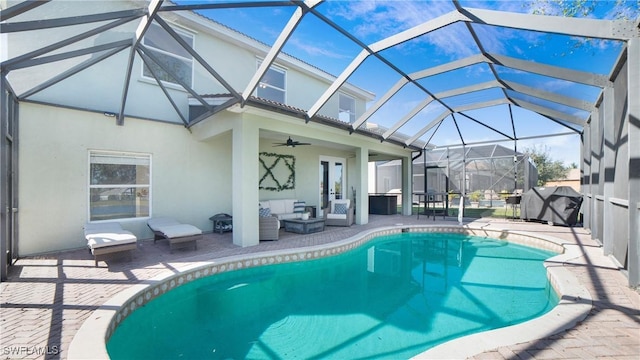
(47,298)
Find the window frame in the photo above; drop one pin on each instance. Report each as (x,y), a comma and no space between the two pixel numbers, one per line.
(122,155)
(351,112)
(181,32)
(264,85)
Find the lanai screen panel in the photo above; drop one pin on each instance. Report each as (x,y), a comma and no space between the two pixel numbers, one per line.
(493,168)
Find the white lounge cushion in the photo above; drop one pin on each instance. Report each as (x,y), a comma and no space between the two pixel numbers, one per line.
(107,234)
(179,230)
(156,222)
(99,240)
(337,216)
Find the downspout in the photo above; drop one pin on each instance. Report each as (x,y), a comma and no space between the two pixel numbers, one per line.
(424,171)
(463,192)
(417,156)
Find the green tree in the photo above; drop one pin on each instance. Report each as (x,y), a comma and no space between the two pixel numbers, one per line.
(618,9)
(548,169)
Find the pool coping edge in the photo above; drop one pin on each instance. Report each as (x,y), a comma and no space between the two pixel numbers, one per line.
(575,301)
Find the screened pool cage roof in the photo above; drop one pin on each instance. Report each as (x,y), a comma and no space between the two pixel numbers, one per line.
(439,72)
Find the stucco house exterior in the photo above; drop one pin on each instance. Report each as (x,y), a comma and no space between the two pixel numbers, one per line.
(572,179)
(127,109)
(79,162)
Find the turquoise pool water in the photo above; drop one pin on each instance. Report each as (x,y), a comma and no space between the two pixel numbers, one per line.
(394,297)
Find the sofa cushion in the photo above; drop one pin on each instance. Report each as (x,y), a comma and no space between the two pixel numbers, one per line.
(280,206)
(289,216)
(340,209)
(288,205)
(277,207)
(265,212)
(340,201)
(337,216)
(298,206)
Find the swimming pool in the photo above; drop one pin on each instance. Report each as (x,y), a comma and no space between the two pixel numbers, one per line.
(394,296)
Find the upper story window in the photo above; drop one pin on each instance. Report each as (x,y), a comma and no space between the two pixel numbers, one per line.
(119,185)
(272,86)
(347,108)
(172,55)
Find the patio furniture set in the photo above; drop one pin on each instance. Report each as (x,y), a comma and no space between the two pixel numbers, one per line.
(294,216)
(109,239)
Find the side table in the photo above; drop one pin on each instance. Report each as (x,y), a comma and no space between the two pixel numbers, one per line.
(311,209)
(222,222)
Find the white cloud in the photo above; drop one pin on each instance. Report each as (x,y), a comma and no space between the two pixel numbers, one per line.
(316,49)
(379,19)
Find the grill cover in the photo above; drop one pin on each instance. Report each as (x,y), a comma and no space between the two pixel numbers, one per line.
(556,204)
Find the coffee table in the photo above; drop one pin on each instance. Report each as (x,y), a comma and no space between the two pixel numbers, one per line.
(303,226)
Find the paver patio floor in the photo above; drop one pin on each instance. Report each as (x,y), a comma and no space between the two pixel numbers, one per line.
(47,298)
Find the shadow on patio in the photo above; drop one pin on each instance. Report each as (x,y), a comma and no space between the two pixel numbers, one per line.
(47,298)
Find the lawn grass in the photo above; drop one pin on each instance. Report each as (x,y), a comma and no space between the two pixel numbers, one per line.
(476,213)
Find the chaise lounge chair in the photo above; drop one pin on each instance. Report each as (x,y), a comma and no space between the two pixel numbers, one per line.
(179,235)
(108,239)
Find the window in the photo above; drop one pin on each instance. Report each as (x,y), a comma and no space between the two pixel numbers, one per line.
(347,108)
(273,84)
(119,185)
(172,55)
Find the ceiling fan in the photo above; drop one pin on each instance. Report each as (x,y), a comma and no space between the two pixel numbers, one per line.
(290,143)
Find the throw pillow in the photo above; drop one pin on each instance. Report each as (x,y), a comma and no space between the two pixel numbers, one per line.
(265,212)
(340,209)
(298,207)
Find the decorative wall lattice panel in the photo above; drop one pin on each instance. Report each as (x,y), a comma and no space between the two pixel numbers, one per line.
(277,172)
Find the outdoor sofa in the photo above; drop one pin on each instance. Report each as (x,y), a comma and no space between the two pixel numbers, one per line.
(272,212)
(284,209)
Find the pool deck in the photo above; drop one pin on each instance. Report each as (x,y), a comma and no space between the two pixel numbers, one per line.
(47,298)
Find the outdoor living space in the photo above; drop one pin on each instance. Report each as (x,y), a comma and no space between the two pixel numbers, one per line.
(272,132)
(47,298)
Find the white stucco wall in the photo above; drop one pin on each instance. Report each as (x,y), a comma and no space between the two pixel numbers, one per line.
(191,170)
(187,181)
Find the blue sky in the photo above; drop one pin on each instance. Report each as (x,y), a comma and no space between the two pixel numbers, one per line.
(370,21)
